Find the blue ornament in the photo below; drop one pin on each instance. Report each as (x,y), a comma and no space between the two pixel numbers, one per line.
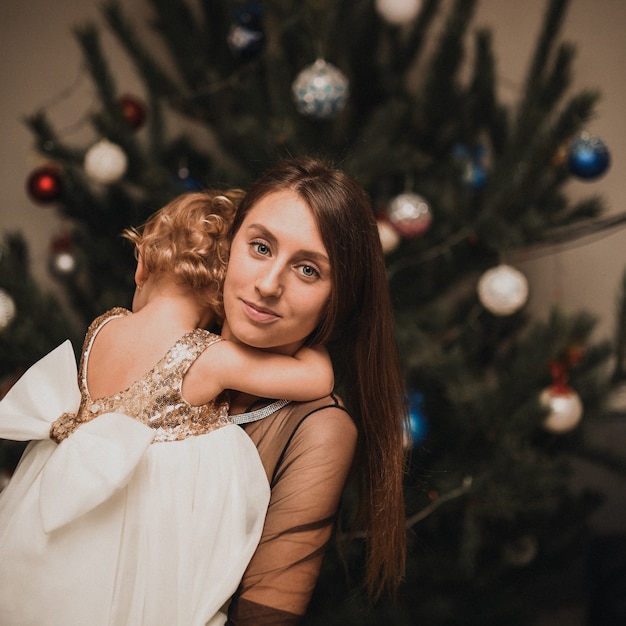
(588,157)
(475,175)
(418,424)
(246,37)
(190,184)
(320,90)
(474,162)
(185,182)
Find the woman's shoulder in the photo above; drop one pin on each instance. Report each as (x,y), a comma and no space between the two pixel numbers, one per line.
(328,412)
(318,431)
(324,431)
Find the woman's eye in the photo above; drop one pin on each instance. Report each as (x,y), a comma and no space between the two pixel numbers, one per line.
(260,248)
(309,271)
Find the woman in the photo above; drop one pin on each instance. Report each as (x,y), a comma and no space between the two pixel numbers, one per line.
(306,268)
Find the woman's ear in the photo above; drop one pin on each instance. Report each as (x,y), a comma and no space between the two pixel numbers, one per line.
(141,273)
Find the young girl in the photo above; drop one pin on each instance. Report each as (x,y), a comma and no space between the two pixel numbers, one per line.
(142,502)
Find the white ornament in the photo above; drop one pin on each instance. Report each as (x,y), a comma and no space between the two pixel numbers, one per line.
(63,264)
(566,409)
(320,90)
(105,162)
(410,214)
(7,309)
(398,12)
(503,290)
(389,236)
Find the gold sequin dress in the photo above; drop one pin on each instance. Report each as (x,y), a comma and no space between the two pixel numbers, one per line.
(137,509)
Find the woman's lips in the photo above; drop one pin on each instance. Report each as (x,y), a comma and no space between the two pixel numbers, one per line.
(258,313)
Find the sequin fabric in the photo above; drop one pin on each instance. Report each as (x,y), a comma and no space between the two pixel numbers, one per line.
(156,398)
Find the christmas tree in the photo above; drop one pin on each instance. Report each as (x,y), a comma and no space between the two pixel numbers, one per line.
(403,96)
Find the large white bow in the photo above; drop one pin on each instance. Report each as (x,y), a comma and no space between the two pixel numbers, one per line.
(92,463)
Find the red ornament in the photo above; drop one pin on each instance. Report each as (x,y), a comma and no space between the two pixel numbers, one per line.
(61,243)
(565,409)
(133,110)
(45,184)
(560,376)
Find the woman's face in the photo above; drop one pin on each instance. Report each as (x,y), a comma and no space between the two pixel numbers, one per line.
(278,280)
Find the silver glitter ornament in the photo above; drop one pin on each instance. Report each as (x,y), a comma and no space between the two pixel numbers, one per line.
(320,90)
(410,214)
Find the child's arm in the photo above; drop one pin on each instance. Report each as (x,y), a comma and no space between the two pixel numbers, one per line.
(305,376)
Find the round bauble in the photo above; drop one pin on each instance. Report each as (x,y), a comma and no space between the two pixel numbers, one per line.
(503,290)
(398,12)
(246,37)
(44,184)
(63,265)
(105,162)
(410,214)
(320,90)
(7,309)
(588,157)
(62,262)
(133,110)
(474,162)
(186,183)
(417,427)
(245,43)
(475,175)
(389,236)
(564,406)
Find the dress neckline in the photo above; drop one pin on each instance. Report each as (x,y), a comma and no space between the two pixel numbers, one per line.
(259,414)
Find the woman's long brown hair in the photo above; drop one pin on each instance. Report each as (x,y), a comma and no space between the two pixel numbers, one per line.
(358,328)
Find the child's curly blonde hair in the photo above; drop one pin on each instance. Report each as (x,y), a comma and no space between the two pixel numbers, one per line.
(188,238)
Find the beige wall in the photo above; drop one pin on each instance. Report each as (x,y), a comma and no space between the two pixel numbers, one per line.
(40,66)
(587,274)
(39,60)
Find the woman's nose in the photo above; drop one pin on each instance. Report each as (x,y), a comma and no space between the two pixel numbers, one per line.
(269,283)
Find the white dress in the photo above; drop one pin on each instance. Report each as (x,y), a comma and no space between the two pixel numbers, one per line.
(147,520)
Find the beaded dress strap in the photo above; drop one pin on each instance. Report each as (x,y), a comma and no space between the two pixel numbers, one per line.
(259,414)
